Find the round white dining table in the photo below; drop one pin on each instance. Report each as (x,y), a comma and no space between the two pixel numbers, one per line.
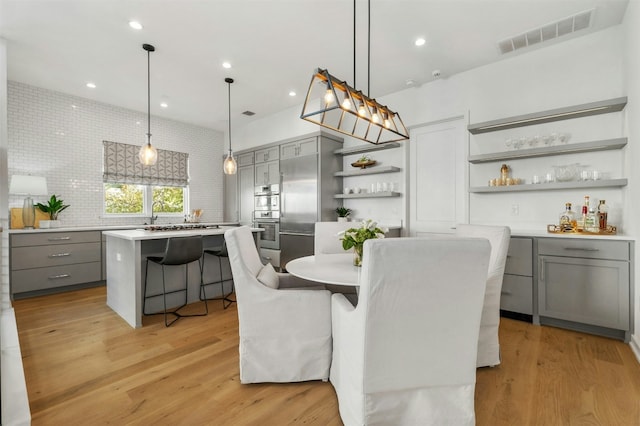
(337,269)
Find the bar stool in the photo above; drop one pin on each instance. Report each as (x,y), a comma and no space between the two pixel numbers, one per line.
(178,251)
(220,253)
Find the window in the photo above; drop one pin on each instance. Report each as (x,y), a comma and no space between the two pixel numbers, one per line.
(125,199)
(133,189)
(168,199)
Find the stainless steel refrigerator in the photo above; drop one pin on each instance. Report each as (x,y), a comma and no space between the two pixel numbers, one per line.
(307,196)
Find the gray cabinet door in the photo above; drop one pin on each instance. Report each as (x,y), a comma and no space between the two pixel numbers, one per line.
(588,291)
(245,195)
(267,173)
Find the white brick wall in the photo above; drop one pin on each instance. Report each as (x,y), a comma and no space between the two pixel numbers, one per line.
(60,136)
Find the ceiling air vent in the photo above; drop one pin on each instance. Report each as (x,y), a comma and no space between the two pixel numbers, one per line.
(560,28)
(249,113)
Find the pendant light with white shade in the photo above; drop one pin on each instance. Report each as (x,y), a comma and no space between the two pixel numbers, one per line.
(229,166)
(148,154)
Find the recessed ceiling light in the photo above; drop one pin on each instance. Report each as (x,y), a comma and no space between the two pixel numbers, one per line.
(91,85)
(292,93)
(420,41)
(226,65)
(164,105)
(135,25)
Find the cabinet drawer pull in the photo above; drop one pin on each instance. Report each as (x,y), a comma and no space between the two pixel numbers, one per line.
(57,277)
(581,249)
(59,238)
(506,293)
(60,255)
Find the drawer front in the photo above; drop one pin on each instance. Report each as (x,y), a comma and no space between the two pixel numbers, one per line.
(54,255)
(271,256)
(47,238)
(517,294)
(57,276)
(520,257)
(592,249)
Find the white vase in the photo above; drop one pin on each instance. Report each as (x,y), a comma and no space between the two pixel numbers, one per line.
(343,219)
(54,224)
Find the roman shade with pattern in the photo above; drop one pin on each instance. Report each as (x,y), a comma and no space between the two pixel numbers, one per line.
(121,165)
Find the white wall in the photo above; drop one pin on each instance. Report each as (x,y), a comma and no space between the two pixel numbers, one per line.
(577,71)
(632,83)
(59,136)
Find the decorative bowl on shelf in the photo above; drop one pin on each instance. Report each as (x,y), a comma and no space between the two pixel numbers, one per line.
(363,164)
(566,173)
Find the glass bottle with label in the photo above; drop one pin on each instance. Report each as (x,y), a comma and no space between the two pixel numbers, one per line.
(585,211)
(591,222)
(568,219)
(602,215)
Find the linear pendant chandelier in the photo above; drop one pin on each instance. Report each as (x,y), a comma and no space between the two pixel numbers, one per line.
(332,103)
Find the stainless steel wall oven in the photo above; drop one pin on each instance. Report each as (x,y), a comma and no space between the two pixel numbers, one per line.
(266,215)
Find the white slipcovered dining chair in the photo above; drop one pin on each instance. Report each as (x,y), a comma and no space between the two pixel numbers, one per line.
(406,355)
(326,240)
(285,331)
(499,237)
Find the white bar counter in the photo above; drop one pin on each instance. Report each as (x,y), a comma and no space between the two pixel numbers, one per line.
(126,257)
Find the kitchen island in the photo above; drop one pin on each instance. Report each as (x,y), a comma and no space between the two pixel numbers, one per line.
(126,254)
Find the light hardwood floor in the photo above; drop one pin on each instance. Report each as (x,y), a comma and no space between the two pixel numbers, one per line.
(85,366)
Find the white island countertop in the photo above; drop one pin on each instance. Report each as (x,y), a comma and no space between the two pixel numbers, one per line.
(142,234)
(109,227)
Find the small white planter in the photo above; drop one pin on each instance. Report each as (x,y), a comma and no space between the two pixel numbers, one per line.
(343,219)
(46,224)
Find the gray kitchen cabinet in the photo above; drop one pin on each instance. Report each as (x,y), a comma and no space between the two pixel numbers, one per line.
(298,148)
(245,159)
(584,284)
(264,155)
(232,191)
(267,173)
(246,184)
(517,285)
(46,262)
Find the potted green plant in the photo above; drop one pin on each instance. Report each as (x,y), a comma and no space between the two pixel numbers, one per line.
(355,238)
(343,214)
(53,207)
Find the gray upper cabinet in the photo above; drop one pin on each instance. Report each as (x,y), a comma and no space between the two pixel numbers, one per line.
(267,154)
(245,159)
(267,173)
(299,148)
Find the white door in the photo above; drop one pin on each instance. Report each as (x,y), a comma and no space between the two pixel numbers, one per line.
(437,190)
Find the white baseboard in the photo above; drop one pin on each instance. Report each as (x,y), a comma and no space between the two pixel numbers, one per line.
(635,346)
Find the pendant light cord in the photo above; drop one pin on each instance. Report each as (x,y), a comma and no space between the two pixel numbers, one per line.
(354,44)
(229,81)
(369,48)
(148,97)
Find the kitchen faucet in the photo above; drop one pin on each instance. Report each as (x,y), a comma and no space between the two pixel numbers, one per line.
(153,218)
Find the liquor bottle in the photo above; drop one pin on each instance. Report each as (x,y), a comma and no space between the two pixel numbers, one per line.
(585,212)
(602,215)
(567,219)
(591,222)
